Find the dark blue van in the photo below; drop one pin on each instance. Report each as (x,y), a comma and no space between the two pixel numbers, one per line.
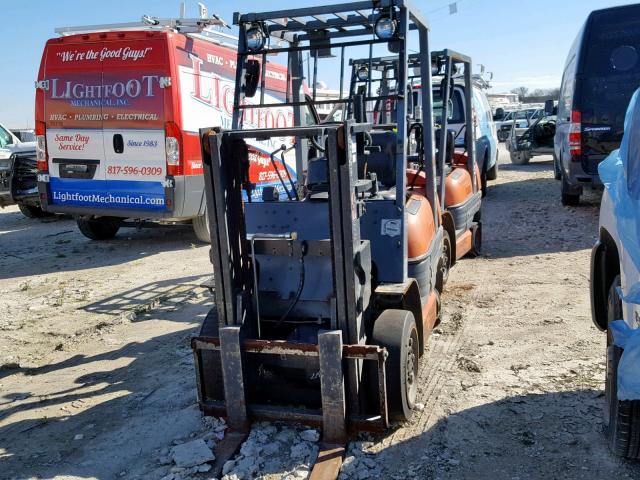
(601,73)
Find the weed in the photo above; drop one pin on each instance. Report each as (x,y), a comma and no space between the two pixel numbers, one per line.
(59,300)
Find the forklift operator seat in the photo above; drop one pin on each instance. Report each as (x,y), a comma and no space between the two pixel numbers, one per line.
(450,143)
(380,158)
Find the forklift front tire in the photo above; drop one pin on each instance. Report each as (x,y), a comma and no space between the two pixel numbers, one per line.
(396,331)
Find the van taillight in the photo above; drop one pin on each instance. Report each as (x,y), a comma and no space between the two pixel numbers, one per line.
(575,136)
(173,148)
(41,147)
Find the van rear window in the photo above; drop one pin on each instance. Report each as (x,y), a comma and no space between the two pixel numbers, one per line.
(611,65)
(613,45)
(458,109)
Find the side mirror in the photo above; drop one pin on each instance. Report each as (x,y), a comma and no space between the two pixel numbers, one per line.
(548,107)
(499,113)
(251,77)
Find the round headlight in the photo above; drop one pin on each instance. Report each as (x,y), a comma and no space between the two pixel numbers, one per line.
(363,74)
(386,27)
(255,39)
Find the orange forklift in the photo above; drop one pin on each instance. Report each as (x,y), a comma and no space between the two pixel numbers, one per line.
(459,196)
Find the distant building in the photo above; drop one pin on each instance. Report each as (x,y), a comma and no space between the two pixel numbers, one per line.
(508,101)
(325,93)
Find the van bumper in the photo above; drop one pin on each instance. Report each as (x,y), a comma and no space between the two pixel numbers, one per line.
(578,178)
(182,197)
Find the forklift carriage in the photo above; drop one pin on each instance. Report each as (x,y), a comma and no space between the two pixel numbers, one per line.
(323,302)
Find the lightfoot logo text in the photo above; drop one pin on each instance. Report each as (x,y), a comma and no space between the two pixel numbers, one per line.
(96,198)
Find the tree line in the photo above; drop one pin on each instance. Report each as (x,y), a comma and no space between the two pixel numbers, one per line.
(539,95)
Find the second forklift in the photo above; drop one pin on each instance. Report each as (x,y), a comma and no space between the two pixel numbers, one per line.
(459,195)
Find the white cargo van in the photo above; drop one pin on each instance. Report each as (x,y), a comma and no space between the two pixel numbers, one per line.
(118,110)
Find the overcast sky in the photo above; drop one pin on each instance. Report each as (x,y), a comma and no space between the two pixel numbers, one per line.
(521,42)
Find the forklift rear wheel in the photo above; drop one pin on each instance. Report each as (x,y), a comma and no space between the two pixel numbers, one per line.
(444,265)
(396,331)
(98,229)
(201,228)
(621,417)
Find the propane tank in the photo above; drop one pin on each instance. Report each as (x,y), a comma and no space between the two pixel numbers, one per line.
(458,187)
(421,228)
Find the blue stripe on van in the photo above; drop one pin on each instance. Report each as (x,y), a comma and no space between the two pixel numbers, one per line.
(108,194)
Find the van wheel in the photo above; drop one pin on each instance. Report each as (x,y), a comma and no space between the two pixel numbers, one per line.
(396,331)
(476,240)
(201,228)
(30,211)
(483,175)
(98,229)
(492,173)
(621,418)
(557,172)
(519,158)
(568,198)
(483,184)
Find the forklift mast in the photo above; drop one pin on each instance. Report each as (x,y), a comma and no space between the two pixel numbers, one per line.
(451,67)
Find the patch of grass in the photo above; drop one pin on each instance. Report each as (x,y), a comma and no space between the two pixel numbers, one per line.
(59,300)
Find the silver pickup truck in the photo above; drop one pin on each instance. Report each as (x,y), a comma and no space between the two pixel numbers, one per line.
(18,175)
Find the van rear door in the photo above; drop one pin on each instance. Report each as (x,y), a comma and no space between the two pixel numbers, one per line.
(73,117)
(135,73)
(610,74)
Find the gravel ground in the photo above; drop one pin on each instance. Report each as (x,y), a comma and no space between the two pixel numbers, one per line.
(97,381)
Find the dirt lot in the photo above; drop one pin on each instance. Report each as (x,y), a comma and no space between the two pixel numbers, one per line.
(97,381)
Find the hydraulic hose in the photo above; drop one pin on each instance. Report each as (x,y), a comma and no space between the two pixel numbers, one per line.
(296,298)
(284,151)
(275,168)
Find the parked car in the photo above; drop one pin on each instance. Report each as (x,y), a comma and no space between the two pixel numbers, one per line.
(535,138)
(24,134)
(486,138)
(600,75)
(118,113)
(18,181)
(615,287)
(523,119)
